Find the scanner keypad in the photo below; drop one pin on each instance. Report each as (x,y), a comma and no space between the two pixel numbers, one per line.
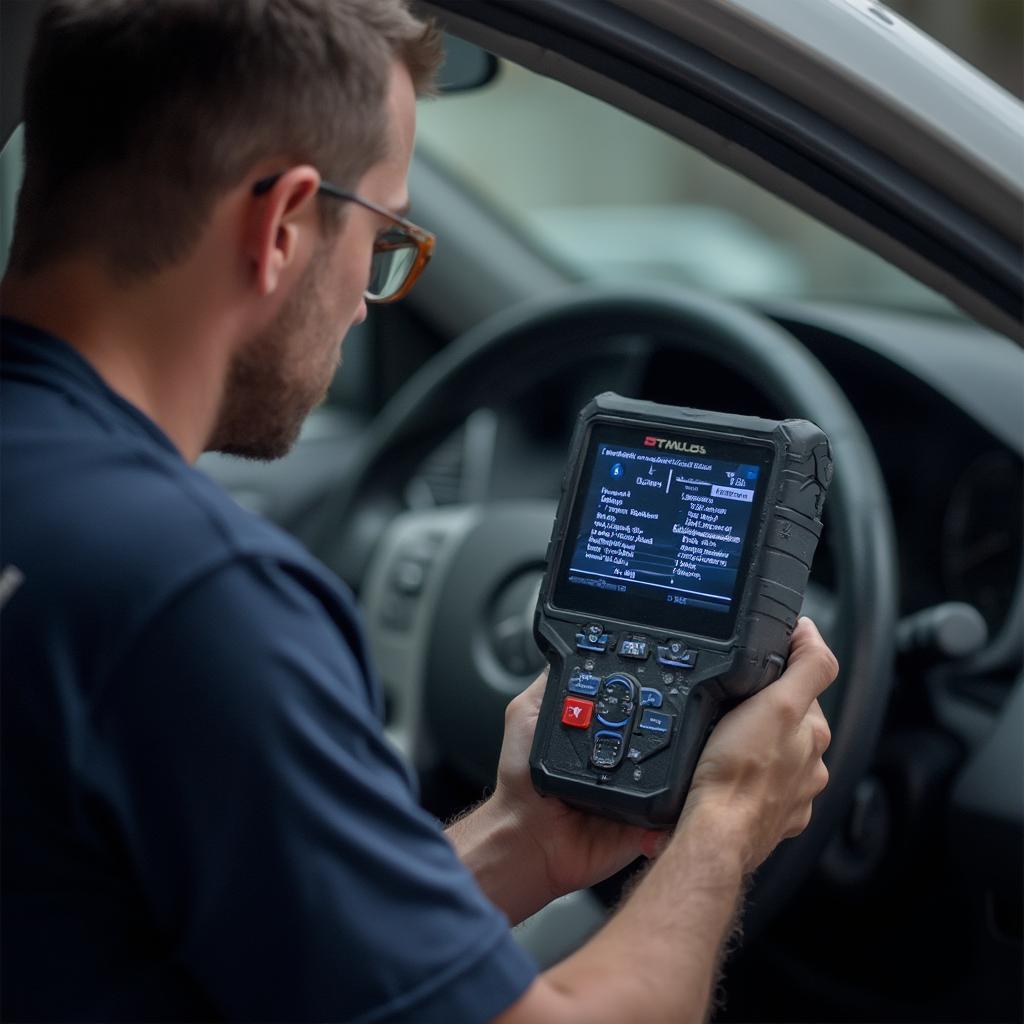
(635,707)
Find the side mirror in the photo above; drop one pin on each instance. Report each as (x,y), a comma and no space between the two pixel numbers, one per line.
(465,66)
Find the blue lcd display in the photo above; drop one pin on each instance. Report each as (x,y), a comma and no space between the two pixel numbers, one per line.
(664,527)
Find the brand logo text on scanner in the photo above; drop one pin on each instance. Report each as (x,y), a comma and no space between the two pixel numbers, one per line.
(675,446)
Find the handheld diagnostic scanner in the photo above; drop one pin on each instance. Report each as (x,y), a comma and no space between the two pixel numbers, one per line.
(676,571)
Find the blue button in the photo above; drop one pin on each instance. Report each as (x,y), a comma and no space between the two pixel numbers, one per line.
(655,721)
(592,642)
(650,698)
(585,683)
(613,725)
(616,681)
(674,655)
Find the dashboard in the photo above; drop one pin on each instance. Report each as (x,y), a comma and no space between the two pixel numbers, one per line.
(942,406)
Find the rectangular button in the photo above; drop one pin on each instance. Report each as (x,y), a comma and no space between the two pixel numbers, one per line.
(607,752)
(655,721)
(674,655)
(577,713)
(630,647)
(590,642)
(584,682)
(650,698)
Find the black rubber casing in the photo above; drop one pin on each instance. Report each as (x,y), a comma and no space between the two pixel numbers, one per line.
(649,785)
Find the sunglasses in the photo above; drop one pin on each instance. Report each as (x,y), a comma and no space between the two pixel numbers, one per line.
(399,253)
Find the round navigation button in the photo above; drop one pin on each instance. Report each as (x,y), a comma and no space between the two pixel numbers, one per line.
(621,681)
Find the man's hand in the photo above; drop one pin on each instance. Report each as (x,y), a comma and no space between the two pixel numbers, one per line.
(756,779)
(763,762)
(763,759)
(526,850)
(577,849)
(753,787)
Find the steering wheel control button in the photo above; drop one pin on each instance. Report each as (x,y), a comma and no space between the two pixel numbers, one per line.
(634,647)
(577,713)
(655,721)
(396,612)
(409,576)
(413,563)
(592,638)
(675,655)
(650,698)
(608,747)
(584,682)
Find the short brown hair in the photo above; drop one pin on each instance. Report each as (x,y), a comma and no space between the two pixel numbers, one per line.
(140,113)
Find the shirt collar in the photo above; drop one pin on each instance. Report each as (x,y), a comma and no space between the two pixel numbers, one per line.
(33,352)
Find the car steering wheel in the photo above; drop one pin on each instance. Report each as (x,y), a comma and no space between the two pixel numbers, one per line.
(449,591)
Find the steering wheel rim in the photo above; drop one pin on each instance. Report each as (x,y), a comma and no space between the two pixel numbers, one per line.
(497,356)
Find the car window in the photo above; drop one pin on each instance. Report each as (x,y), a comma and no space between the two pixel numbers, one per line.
(613,197)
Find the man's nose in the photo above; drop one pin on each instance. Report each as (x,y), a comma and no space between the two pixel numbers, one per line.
(360,313)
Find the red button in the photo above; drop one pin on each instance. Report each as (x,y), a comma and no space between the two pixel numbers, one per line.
(577,712)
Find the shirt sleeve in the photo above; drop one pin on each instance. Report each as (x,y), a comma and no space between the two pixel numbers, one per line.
(273,830)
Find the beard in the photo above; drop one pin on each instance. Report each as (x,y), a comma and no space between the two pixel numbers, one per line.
(275,379)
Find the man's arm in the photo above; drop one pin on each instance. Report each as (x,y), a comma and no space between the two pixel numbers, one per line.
(753,787)
(237,772)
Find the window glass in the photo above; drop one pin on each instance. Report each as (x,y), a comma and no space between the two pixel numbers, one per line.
(615,198)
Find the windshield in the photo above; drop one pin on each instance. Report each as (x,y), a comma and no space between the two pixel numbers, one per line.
(611,197)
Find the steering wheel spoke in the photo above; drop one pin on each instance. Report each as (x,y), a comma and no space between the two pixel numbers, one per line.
(400,600)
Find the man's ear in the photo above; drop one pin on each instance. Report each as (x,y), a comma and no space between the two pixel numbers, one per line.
(277,224)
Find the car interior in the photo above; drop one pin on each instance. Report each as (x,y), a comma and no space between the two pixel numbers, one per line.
(582,248)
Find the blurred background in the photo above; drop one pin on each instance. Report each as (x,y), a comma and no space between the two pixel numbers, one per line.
(987,33)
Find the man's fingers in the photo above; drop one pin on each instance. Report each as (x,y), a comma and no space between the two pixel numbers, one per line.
(532,695)
(812,666)
(652,843)
(819,728)
(820,777)
(536,688)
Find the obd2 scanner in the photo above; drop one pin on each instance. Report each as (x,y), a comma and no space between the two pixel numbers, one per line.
(676,571)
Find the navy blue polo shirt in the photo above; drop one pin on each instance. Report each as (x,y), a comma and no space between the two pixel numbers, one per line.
(201,815)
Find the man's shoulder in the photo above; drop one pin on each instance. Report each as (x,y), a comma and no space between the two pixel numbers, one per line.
(107,532)
(107,502)
(94,489)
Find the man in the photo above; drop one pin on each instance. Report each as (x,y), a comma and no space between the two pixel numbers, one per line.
(201,816)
